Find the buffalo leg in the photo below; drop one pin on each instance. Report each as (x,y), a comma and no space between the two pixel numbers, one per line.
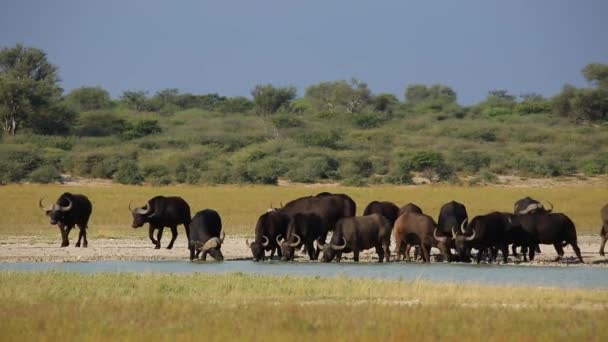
(338,256)
(559,249)
(151,235)
(356,254)
(537,249)
(79,237)
(531,250)
(173,236)
(191,253)
(380,253)
(204,256)
(159,235)
(425,253)
(272,252)
(604,238)
(514,250)
(577,251)
(480,255)
(310,249)
(387,252)
(64,239)
(505,252)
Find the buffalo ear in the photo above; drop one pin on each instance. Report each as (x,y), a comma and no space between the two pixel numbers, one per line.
(48,212)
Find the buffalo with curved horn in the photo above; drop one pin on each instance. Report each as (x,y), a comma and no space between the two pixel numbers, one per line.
(68,211)
(160,212)
(206,235)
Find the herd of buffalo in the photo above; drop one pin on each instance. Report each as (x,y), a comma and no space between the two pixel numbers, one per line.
(306,220)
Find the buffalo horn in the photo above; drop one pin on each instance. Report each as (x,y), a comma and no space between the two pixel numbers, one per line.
(211,243)
(142,211)
(550,210)
(463,225)
(472,236)
(247,243)
(295,244)
(223,236)
(265,244)
(339,248)
(68,208)
(439,238)
(277,239)
(453,233)
(42,207)
(529,208)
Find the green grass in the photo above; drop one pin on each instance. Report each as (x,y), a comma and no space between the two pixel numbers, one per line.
(240,206)
(60,306)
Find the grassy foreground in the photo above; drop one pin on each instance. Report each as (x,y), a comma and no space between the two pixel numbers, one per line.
(58,306)
(240,206)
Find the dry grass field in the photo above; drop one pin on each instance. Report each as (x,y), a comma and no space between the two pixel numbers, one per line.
(66,306)
(240,206)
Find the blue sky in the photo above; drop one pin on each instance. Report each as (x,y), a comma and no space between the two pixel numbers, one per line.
(230,46)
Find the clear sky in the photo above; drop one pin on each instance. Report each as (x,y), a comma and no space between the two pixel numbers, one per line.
(230,46)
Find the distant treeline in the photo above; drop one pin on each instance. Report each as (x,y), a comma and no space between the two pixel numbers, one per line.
(339,130)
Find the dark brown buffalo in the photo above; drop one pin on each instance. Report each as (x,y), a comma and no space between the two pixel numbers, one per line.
(418,229)
(551,229)
(68,211)
(387,209)
(528,205)
(410,208)
(328,207)
(355,234)
(205,231)
(604,230)
(303,230)
(268,228)
(488,234)
(160,212)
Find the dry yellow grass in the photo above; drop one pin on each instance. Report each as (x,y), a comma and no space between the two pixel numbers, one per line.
(59,306)
(240,206)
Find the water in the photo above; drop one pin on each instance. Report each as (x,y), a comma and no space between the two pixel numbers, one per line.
(550,276)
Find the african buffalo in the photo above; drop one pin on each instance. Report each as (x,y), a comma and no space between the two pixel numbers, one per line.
(204,237)
(556,229)
(410,208)
(269,226)
(528,205)
(488,233)
(355,234)
(70,210)
(604,230)
(387,209)
(303,230)
(160,212)
(328,207)
(418,229)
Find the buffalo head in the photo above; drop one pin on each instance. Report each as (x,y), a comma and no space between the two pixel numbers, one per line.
(56,212)
(258,247)
(141,215)
(329,250)
(288,246)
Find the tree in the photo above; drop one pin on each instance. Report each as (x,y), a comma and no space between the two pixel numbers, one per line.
(57,119)
(597,74)
(267,99)
(28,83)
(135,100)
(337,96)
(88,98)
(420,93)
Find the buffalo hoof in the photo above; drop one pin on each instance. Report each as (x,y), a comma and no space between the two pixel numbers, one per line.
(157,247)
(85,245)
(169,247)
(77,244)
(65,244)
(602,253)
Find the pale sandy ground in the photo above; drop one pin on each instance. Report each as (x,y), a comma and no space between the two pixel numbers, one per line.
(34,249)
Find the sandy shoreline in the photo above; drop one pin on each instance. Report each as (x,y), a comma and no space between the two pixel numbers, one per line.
(34,249)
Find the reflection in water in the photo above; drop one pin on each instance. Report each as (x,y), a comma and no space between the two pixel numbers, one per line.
(556,276)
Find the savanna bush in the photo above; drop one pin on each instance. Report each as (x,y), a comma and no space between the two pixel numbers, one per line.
(312,169)
(45,174)
(128,173)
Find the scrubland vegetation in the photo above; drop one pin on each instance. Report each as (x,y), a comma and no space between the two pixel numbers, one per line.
(53,306)
(338,131)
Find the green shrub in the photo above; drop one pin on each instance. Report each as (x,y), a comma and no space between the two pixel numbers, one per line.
(141,129)
(287,121)
(312,169)
(100,124)
(128,173)
(16,163)
(157,174)
(369,120)
(472,161)
(45,174)
(321,138)
(400,172)
(359,167)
